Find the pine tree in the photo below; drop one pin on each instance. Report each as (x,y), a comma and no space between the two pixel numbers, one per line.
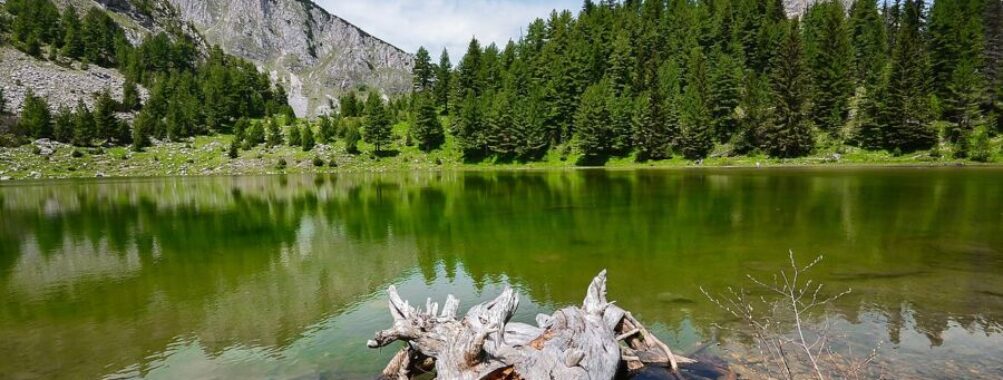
(423,72)
(869,41)
(427,130)
(307,138)
(621,113)
(348,105)
(905,112)
(62,130)
(965,94)
(255,135)
(725,80)
(956,37)
(443,81)
(274,132)
(142,127)
(295,139)
(84,129)
(240,130)
(621,65)
(73,44)
(828,57)
(592,121)
(651,137)
(234,150)
(130,96)
(790,134)
(325,130)
(695,119)
(377,129)
(36,119)
(469,127)
(104,116)
(501,137)
(756,113)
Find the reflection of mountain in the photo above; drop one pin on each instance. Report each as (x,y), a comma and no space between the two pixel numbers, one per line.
(120,276)
(119,270)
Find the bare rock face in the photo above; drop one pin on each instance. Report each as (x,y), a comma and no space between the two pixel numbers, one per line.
(62,86)
(316,55)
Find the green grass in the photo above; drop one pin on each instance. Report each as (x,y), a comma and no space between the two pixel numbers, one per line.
(207,155)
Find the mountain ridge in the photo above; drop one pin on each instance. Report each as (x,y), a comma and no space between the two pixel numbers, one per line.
(317,55)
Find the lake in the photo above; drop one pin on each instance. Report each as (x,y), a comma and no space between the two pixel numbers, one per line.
(285,276)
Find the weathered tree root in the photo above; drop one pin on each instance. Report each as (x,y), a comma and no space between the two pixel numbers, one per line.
(573,343)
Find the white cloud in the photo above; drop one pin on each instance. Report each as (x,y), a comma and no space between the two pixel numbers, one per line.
(436,24)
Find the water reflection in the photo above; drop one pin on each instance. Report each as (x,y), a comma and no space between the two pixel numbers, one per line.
(282,276)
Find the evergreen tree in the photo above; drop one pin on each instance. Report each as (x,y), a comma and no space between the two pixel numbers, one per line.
(104,116)
(255,135)
(325,130)
(695,119)
(725,80)
(240,130)
(142,127)
(352,137)
(469,127)
(348,105)
(869,41)
(234,150)
(73,44)
(99,34)
(621,113)
(790,134)
(36,119)
(63,125)
(307,138)
(955,39)
(443,81)
(295,139)
(905,112)
(130,96)
(377,129)
(274,131)
(592,121)
(828,57)
(501,133)
(756,113)
(962,105)
(651,137)
(427,129)
(423,72)
(84,130)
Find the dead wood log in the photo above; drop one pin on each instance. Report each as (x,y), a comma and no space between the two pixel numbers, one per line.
(573,343)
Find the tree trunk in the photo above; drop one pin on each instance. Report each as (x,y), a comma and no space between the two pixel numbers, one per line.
(573,343)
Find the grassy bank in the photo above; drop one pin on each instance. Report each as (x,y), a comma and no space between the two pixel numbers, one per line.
(208,156)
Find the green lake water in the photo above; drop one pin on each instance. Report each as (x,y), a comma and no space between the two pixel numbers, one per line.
(285,276)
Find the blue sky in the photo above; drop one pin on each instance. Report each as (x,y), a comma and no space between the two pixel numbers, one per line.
(435,24)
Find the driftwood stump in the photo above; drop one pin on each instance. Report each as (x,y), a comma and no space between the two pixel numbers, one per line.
(595,341)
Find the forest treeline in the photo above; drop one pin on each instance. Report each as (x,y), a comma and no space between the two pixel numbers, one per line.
(652,79)
(658,78)
(191,92)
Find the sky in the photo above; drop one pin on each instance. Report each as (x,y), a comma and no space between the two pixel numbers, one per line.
(438,24)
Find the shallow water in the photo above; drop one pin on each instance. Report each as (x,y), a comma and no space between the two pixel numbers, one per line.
(284,277)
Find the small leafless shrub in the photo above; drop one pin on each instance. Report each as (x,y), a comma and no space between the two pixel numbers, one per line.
(789,346)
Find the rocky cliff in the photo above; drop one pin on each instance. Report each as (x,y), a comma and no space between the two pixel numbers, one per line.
(316,55)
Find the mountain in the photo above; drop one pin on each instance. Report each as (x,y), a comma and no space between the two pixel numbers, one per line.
(315,54)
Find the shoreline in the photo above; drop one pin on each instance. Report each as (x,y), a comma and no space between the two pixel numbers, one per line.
(207,156)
